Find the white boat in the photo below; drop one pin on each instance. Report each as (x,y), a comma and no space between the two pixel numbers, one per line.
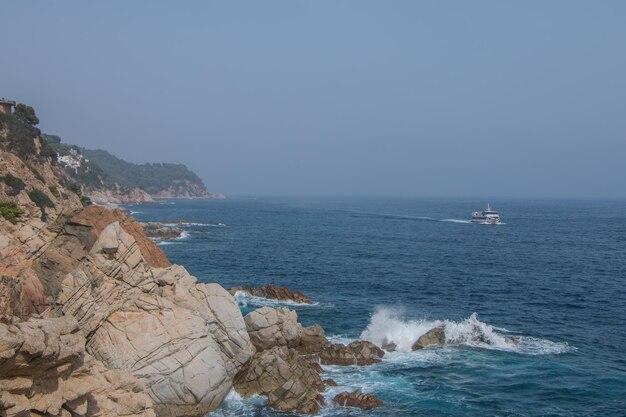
(486,217)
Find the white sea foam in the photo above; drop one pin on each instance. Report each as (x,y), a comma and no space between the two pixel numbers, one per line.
(135,212)
(456,221)
(194,224)
(388,325)
(245,299)
(184,235)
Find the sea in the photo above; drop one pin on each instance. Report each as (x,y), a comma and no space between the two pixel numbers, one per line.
(546,289)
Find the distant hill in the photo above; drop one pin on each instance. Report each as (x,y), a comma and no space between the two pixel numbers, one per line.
(105,176)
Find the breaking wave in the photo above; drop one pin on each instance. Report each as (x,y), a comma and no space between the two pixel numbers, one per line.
(193,224)
(388,325)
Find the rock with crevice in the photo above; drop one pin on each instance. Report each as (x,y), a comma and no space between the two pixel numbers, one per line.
(269,327)
(155,322)
(44,370)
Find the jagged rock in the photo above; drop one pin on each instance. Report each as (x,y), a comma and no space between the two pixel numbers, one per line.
(273,292)
(155,322)
(44,370)
(359,352)
(435,336)
(269,327)
(357,399)
(285,377)
(158,231)
(330,382)
(312,339)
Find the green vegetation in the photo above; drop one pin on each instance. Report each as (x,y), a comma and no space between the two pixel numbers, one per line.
(54,191)
(10,211)
(26,114)
(14,183)
(42,201)
(150,177)
(20,136)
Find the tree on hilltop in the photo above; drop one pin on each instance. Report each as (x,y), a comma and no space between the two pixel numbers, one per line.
(26,114)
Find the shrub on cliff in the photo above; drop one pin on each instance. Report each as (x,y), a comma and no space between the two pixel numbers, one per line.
(10,211)
(41,200)
(14,183)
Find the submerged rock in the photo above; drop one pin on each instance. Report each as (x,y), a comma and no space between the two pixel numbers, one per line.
(330,382)
(389,346)
(273,292)
(435,336)
(158,231)
(357,399)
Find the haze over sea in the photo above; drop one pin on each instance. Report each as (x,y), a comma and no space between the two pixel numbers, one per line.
(552,276)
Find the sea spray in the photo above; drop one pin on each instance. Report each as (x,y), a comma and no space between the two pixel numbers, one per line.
(388,325)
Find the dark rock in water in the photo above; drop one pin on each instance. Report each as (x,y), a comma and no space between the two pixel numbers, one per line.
(357,399)
(160,231)
(330,382)
(435,336)
(389,346)
(273,292)
(359,352)
(287,379)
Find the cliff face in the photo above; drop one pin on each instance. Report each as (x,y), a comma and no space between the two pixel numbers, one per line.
(94,320)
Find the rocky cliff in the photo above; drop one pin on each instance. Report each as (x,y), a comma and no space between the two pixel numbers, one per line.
(95,319)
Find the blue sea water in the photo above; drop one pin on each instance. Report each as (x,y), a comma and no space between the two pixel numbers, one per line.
(553,276)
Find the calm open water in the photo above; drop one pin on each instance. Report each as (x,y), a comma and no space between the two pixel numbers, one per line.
(553,276)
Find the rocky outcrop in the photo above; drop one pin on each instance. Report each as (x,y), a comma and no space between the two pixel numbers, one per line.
(435,336)
(286,367)
(272,292)
(158,231)
(359,352)
(155,322)
(286,378)
(44,370)
(357,399)
(269,327)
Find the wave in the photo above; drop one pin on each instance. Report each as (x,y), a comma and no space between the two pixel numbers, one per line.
(244,299)
(135,212)
(194,224)
(388,325)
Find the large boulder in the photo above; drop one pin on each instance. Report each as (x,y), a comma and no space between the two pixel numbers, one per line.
(357,399)
(288,381)
(185,341)
(44,370)
(269,327)
(435,336)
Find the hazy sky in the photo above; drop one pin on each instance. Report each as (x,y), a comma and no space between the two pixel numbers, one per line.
(482,98)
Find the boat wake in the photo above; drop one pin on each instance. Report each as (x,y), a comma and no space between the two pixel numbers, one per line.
(389,326)
(407,217)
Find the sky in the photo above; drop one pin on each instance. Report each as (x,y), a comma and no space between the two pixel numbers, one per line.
(401,98)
